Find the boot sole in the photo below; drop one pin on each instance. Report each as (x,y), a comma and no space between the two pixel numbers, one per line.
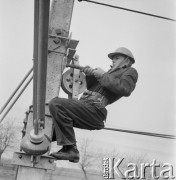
(76,160)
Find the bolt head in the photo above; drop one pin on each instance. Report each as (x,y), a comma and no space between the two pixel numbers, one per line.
(20,156)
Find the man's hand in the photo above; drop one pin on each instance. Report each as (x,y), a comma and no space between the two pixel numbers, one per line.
(98,72)
(88,70)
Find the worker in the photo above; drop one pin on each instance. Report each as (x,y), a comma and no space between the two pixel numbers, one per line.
(89,112)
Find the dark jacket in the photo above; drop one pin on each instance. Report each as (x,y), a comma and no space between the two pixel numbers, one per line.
(114,84)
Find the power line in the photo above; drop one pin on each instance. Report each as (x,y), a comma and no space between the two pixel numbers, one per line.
(126,131)
(143,133)
(117,7)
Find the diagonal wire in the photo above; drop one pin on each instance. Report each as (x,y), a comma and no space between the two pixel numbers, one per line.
(15,91)
(7,111)
(143,133)
(139,12)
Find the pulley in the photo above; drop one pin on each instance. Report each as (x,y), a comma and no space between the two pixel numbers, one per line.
(68,81)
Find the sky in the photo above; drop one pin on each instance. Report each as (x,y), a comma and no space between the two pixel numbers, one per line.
(100,31)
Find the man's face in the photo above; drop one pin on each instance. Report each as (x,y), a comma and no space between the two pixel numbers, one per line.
(117,60)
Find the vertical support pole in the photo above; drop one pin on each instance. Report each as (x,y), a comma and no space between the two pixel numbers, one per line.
(36,144)
(42,59)
(35,58)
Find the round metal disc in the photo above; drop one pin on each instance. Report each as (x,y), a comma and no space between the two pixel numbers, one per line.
(67,82)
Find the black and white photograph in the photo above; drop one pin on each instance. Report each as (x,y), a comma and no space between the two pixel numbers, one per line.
(87,89)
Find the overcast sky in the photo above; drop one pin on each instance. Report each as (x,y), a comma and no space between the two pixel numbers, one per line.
(100,31)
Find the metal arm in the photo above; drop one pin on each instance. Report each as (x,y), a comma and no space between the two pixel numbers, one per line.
(75,66)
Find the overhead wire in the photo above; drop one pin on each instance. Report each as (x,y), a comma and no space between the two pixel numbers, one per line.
(126,9)
(134,132)
(143,133)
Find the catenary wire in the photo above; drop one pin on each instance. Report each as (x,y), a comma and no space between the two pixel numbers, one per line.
(142,133)
(131,131)
(139,12)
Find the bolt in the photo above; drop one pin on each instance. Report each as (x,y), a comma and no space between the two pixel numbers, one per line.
(25,121)
(23,131)
(57,41)
(76,57)
(58,31)
(71,86)
(68,79)
(41,127)
(20,156)
(35,121)
(50,160)
(41,122)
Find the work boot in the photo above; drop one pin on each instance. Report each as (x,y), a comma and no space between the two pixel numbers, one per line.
(70,153)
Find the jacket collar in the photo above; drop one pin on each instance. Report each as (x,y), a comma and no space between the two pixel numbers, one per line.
(117,68)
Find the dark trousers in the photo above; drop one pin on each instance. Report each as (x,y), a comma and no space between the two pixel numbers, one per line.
(69,113)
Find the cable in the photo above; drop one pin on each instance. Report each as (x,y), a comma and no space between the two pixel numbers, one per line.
(143,133)
(130,131)
(117,7)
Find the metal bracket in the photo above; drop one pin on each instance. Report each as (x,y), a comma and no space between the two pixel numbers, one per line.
(58,41)
(75,79)
(73,44)
(70,53)
(40,162)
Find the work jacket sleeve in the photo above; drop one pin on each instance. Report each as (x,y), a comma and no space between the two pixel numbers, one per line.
(122,84)
(91,81)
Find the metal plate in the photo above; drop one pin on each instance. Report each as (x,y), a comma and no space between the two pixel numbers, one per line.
(71,53)
(44,162)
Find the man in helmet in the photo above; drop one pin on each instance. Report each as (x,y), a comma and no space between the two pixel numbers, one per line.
(89,112)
